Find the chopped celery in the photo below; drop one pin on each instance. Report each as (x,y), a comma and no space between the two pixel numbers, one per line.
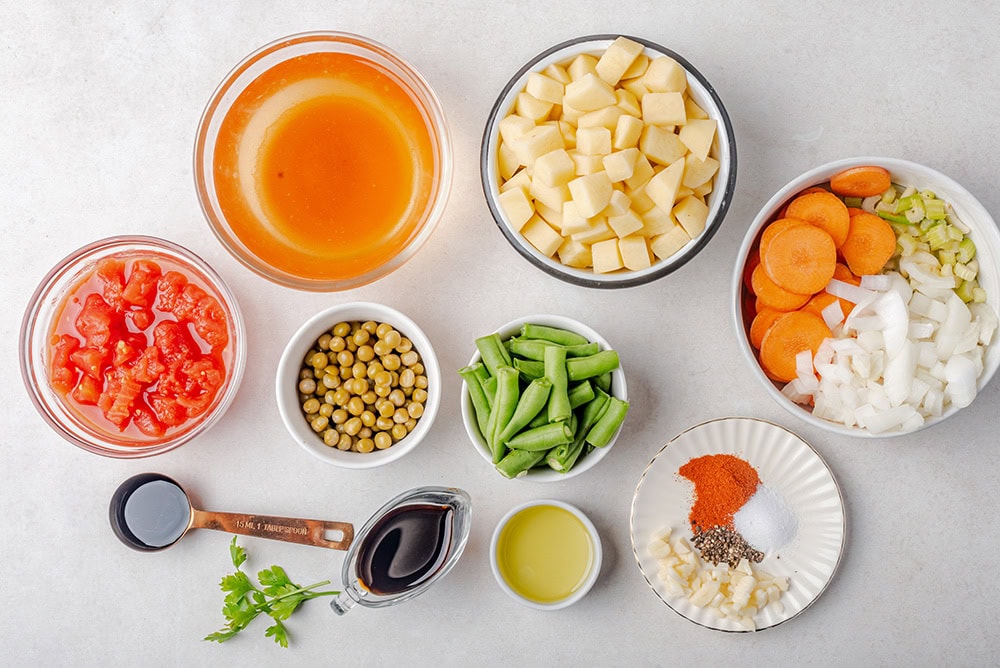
(946,257)
(928,194)
(891,217)
(935,209)
(853,202)
(978,295)
(966,250)
(888,196)
(907,243)
(966,291)
(937,236)
(964,272)
(909,191)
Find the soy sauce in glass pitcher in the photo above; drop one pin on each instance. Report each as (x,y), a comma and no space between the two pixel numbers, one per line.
(405,547)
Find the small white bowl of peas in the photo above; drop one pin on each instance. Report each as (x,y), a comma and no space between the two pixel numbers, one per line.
(358,385)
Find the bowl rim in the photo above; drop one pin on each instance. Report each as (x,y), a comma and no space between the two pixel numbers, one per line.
(437,128)
(985,226)
(619,387)
(67,269)
(289,364)
(592,575)
(619,280)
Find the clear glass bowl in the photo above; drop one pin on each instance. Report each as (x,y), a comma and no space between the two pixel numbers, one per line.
(384,61)
(44,309)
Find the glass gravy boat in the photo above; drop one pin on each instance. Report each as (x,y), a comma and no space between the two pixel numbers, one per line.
(408,544)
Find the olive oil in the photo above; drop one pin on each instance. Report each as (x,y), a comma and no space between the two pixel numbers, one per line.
(545,553)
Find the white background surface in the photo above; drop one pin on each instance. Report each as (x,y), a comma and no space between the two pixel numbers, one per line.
(99,107)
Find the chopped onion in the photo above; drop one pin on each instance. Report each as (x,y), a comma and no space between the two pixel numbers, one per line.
(833,314)
(879,282)
(851,293)
(960,373)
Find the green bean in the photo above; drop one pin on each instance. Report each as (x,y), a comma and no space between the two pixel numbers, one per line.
(562,457)
(531,403)
(602,432)
(555,371)
(579,368)
(517,462)
(504,405)
(489,388)
(592,412)
(553,334)
(529,369)
(493,353)
(580,394)
(542,438)
(604,381)
(534,349)
(480,403)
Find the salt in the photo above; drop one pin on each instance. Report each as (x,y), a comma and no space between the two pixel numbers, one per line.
(765,521)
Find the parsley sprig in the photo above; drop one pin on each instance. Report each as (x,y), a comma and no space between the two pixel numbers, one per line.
(277,596)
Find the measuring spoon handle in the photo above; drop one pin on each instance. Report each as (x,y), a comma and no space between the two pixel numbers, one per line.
(288,529)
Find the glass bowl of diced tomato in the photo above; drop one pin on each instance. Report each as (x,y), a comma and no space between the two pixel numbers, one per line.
(132,346)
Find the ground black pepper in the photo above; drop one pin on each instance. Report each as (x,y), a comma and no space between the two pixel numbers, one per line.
(722,544)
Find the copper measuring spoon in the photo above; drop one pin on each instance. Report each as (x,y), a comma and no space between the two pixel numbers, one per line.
(150,512)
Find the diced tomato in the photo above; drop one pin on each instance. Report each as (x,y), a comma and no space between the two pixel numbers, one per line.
(148,368)
(174,341)
(141,286)
(210,323)
(186,306)
(94,322)
(141,318)
(90,361)
(87,391)
(167,409)
(111,271)
(170,286)
(62,372)
(147,422)
(128,347)
(120,392)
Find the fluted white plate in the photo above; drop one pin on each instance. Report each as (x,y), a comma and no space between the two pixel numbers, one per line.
(787,465)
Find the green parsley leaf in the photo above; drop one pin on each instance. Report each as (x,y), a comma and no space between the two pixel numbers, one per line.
(237,553)
(274,576)
(277,631)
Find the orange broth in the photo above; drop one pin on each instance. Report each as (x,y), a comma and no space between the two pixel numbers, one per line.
(323,166)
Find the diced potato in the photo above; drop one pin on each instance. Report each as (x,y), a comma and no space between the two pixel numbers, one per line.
(692,215)
(586,163)
(570,114)
(568,132)
(627,132)
(597,230)
(606,117)
(617,58)
(641,202)
(637,68)
(625,224)
(682,192)
(620,165)
(663,109)
(589,93)
(507,162)
(619,204)
(635,253)
(697,135)
(551,216)
(692,108)
(544,88)
(517,207)
(703,190)
(642,173)
(572,253)
(661,146)
(606,256)
(555,168)
(591,192)
(541,236)
(593,141)
(513,126)
(572,221)
(665,245)
(656,221)
(628,102)
(551,196)
(519,180)
(581,66)
(665,75)
(662,188)
(636,87)
(529,106)
(699,172)
(558,73)
(536,142)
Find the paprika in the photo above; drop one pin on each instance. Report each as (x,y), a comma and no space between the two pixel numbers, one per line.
(722,484)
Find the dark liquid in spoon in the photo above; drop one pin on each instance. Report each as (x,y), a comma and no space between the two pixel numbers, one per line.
(405,547)
(157,513)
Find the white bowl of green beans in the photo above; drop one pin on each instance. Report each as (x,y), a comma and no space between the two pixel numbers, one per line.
(549,414)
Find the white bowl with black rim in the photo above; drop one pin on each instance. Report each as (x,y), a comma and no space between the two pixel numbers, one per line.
(724,150)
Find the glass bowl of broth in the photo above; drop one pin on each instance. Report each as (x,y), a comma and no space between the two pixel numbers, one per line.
(323,161)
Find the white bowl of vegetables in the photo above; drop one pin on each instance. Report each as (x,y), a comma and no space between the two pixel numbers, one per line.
(543,398)
(866,296)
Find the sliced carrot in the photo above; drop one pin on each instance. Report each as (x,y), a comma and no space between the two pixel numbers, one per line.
(842,273)
(820,301)
(824,210)
(779,225)
(787,337)
(852,211)
(752,261)
(864,181)
(870,243)
(773,296)
(761,323)
(800,259)
(814,189)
